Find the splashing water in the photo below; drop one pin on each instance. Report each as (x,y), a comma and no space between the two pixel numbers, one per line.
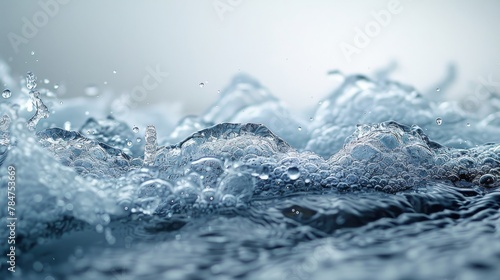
(368,187)
(41,110)
(151,145)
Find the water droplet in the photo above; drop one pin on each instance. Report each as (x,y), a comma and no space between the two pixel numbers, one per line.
(46,81)
(86,113)
(56,86)
(99,228)
(218,91)
(138,139)
(129,143)
(6,93)
(300,128)
(311,119)
(105,82)
(61,102)
(439,121)
(91,91)
(202,85)
(293,173)
(32,53)
(135,129)
(468,124)
(114,71)
(438,89)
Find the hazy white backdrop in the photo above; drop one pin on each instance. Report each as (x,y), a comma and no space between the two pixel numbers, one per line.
(288,45)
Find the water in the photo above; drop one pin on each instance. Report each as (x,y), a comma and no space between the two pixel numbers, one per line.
(369,187)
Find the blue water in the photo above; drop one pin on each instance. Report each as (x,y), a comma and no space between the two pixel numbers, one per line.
(379,183)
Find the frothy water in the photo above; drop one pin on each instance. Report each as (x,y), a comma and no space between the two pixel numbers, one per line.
(377,183)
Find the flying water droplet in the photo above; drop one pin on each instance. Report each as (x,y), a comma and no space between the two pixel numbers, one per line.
(438,89)
(56,86)
(46,81)
(135,129)
(6,93)
(114,71)
(32,53)
(129,143)
(439,121)
(299,128)
(30,80)
(138,139)
(202,85)
(468,124)
(293,173)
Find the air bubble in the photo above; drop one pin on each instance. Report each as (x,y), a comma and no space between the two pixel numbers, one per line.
(229,200)
(208,194)
(6,93)
(439,121)
(293,173)
(487,180)
(37,266)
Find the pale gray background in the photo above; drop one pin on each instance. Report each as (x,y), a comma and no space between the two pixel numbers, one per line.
(288,45)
